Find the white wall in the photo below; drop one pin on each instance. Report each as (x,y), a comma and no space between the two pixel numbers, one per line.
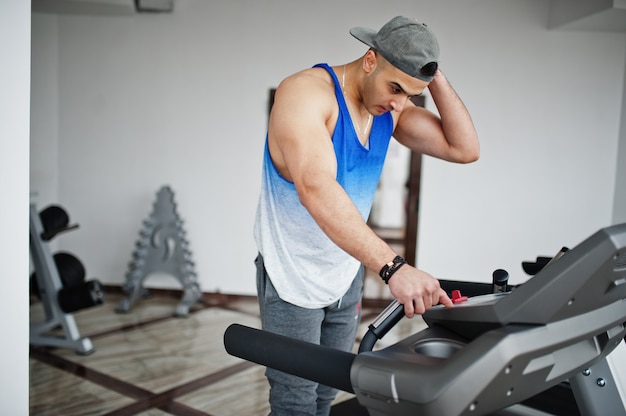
(181,99)
(44,159)
(14,130)
(547,105)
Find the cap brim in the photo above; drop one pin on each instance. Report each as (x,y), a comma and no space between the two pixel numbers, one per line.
(364,34)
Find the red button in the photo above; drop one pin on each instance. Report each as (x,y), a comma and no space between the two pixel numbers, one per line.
(457,298)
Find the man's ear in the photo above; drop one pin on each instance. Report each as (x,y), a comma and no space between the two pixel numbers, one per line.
(370,60)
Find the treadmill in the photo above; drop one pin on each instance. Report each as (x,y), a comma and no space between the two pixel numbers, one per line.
(489,353)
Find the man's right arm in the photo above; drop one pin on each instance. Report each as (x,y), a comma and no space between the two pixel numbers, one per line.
(301,122)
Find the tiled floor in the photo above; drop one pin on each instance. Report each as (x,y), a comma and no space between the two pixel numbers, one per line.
(149,362)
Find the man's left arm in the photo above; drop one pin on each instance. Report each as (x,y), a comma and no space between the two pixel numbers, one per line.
(450,136)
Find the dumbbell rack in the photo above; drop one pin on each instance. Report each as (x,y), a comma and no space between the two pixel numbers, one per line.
(162,248)
(49,283)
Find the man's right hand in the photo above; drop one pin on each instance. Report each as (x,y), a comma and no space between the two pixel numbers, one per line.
(417,290)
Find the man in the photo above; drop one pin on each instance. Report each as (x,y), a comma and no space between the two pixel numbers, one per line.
(328,135)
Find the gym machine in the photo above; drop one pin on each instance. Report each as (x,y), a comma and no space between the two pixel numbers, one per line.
(59,281)
(487,353)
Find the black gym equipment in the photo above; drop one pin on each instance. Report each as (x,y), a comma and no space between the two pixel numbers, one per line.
(490,352)
(54,220)
(59,281)
(71,271)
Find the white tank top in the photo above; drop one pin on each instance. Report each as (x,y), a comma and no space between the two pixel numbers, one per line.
(305,266)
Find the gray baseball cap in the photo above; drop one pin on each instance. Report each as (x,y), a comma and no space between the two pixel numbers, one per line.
(407,44)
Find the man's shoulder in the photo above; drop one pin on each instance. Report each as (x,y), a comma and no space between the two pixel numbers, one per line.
(316,81)
(309,91)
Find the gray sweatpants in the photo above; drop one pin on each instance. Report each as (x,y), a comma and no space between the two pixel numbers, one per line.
(333,326)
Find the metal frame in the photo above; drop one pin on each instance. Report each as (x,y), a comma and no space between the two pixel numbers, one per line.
(49,283)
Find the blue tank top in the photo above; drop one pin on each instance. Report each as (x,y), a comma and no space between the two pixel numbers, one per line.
(304,265)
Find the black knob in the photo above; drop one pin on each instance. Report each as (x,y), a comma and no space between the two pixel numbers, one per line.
(500,280)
